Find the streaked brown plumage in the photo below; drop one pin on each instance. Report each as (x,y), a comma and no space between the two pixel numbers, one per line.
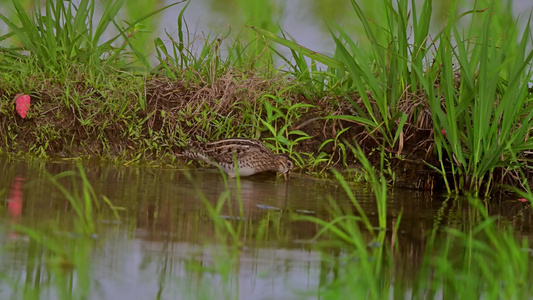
(252,156)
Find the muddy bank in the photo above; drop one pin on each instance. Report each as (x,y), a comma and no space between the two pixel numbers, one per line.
(153,120)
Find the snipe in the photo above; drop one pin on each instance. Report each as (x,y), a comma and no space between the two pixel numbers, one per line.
(252,156)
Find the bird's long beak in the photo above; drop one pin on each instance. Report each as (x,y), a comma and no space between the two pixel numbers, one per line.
(286,176)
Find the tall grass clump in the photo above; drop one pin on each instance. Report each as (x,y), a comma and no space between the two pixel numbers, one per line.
(262,14)
(481,109)
(60,33)
(460,95)
(208,57)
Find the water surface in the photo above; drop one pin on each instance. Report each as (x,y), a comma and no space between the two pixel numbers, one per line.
(165,243)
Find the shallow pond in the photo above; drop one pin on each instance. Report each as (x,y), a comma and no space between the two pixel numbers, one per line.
(165,244)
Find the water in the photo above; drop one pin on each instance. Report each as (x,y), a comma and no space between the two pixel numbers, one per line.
(165,243)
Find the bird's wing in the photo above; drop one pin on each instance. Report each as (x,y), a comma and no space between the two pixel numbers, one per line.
(223,151)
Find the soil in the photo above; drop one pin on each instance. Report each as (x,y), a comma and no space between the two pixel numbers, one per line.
(171,119)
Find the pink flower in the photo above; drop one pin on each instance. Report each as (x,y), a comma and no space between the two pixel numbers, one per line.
(22,104)
(522,200)
(443,132)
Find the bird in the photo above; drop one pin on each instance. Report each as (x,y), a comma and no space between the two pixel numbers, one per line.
(252,156)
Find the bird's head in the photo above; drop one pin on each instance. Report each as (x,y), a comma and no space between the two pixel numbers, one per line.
(284,164)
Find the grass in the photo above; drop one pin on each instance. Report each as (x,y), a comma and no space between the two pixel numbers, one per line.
(412,99)
(61,33)
(473,76)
